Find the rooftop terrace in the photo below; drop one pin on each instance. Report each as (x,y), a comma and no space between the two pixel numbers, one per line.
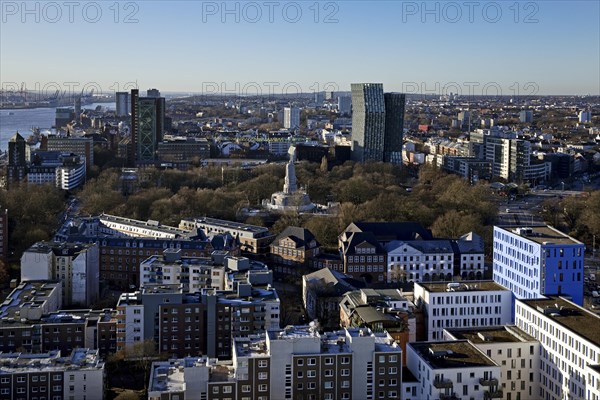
(498,334)
(467,286)
(451,354)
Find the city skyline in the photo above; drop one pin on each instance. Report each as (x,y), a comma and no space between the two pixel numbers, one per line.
(212,47)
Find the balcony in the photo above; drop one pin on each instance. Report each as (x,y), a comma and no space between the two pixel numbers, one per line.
(488,381)
(443,384)
(450,396)
(496,394)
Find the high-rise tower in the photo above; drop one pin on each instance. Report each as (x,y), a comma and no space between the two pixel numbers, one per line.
(377,123)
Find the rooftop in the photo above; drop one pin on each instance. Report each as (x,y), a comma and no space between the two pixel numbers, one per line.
(149,288)
(59,248)
(569,315)
(80,358)
(150,225)
(467,286)
(451,354)
(231,225)
(545,235)
(497,334)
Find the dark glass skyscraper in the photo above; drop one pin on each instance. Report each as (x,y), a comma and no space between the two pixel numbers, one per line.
(147,125)
(394,127)
(377,123)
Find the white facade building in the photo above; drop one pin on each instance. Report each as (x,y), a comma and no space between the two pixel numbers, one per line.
(517,354)
(130,320)
(570,343)
(76,266)
(453,370)
(420,260)
(39,376)
(291,117)
(462,305)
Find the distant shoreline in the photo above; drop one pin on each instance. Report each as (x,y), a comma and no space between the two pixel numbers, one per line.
(32,106)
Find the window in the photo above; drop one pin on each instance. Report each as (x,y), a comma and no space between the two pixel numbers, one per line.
(311,373)
(312,361)
(246,388)
(329,361)
(262,363)
(262,375)
(345,372)
(300,362)
(262,388)
(226,389)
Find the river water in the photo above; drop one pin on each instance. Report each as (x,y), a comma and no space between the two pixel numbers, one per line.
(12,121)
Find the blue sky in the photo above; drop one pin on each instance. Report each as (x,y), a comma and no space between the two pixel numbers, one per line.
(512,47)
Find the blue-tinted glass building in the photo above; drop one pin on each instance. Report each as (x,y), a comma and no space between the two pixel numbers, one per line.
(537,261)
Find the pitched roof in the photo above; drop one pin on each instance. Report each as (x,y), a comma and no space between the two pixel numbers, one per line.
(301,236)
(359,238)
(339,282)
(387,231)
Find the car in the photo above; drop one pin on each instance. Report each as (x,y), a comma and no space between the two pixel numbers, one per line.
(508,210)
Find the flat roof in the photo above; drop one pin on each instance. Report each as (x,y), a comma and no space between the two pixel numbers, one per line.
(575,318)
(544,235)
(464,286)
(452,354)
(496,334)
(229,224)
(150,225)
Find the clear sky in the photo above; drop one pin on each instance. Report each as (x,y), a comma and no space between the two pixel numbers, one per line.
(512,47)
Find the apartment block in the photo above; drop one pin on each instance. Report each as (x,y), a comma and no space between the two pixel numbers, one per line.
(201,323)
(50,376)
(82,146)
(192,378)
(570,345)
(516,352)
(452,370)
(121,255)
(194,273)
(76,266)
(537,261)
(300,363)
(252,238)
(462,305)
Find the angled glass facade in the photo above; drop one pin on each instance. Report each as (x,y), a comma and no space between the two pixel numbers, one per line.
(377,123)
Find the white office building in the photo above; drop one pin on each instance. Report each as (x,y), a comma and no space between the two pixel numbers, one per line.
(570,343)
(462,305)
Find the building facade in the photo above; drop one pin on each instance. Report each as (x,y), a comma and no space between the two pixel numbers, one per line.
(537,261)
(50,376)
(462,305)
(570,345)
